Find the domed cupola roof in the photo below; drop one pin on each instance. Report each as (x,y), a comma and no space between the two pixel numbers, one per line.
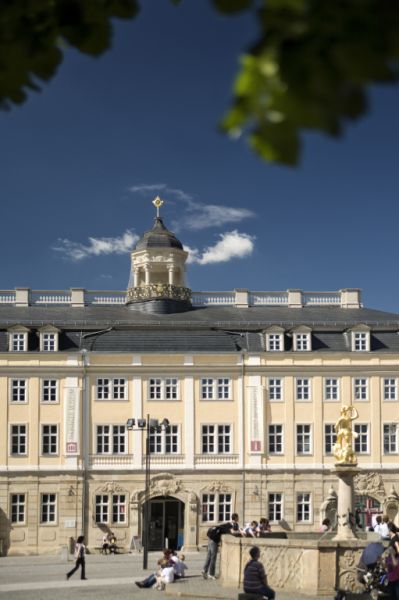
(158,237)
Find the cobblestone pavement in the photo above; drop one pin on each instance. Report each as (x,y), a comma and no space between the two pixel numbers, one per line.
(23,578)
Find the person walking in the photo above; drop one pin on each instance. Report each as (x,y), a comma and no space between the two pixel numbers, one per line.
(80,554)
(255,579)
(214,536)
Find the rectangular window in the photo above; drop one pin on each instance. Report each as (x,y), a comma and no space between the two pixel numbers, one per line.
(362,439)
(331,388)
(224,507)
(165,441)
(216,439)
(390,432)
(302,341)
(119,508)
(164,389)
(216,389)
(111,439)
(18,342)
(101,508)
(303,508)
(49,439)
(360,341)
(208,508)
(390,389)
(111,388)
(275,504)
(274,342)
(50,390)
(304,439)
(49,342)
(19,440)
(48,509)
(19,390)
(302,389)
(276,445)
(275,389)
(360,388)
(330,437)
(18,507)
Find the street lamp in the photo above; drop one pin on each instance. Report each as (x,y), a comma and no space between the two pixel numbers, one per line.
(150,426)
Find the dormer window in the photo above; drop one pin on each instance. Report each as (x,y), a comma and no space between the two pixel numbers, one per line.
(275,340)
(360,339)
(49,339)
(302,341)
(18,339)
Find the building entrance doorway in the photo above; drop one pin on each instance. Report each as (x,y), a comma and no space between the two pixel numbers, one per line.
(367,509)
(166,523)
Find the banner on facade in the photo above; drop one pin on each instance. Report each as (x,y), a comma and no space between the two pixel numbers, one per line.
(71,396)
(255,393)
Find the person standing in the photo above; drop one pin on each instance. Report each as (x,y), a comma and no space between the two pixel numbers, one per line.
(80,554)
(214,537)
(255,579)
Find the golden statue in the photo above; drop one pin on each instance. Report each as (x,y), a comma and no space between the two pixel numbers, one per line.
(342,448)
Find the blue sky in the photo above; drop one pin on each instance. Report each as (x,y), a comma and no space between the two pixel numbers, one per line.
(81,162)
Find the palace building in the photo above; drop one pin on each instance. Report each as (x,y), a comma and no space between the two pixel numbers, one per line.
(250,382)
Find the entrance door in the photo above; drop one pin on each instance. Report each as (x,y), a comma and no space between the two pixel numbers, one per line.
(166,523)
(367,508)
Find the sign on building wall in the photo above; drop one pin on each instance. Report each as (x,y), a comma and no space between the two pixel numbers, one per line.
(255,393)
(71,396)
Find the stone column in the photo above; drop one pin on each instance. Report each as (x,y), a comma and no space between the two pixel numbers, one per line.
(345,512)
(147,275)
(171,275)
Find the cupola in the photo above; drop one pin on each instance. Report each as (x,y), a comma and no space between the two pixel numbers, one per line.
(158,271)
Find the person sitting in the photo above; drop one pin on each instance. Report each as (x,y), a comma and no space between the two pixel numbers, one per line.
(255,579)
(250,529)
(112,544)
(179,565)
(151,580)
(166,575)
(325,525)
(263,527)
(105,545)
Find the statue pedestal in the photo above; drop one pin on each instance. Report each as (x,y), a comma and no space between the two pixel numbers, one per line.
(345,513)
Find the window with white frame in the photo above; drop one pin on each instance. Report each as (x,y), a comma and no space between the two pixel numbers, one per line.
(49,440)
(101,508)
(19,390)
(331,388)
(302,342)
(361,388)
(119,508)
(303,388)
(18,508)
(18,342)
(48,342)
(330,437)
(360,341)
(274,342)
(303,507)
(275,507)
(164,441)
(216,507)
(391,438)
(50,390)
(111,439)
(48,508)
(362,439)
(276,439)
(216,388)
(390,388)
(216,439)
(18,440)
(111,388)
(163,388)
(275,389)
(304,438)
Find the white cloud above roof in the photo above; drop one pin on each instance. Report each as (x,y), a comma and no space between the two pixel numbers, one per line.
(77,251)
(231,245)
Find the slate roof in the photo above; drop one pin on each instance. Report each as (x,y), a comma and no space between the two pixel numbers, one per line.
(158,237)
(225,329)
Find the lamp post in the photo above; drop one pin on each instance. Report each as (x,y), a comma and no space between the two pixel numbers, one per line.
(150,426)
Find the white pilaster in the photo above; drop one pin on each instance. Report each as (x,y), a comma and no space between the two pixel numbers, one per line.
(137,414)
(189,429)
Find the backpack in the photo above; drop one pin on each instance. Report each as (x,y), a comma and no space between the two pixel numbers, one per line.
(214,533)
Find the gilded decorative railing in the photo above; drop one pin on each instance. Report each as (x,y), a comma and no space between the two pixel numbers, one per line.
(155,291)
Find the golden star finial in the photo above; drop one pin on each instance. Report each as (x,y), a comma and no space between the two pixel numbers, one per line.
(157,202)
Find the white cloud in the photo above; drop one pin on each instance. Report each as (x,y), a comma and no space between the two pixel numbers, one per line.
(201,216)
(107,245)
(232,244)
(145,188)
